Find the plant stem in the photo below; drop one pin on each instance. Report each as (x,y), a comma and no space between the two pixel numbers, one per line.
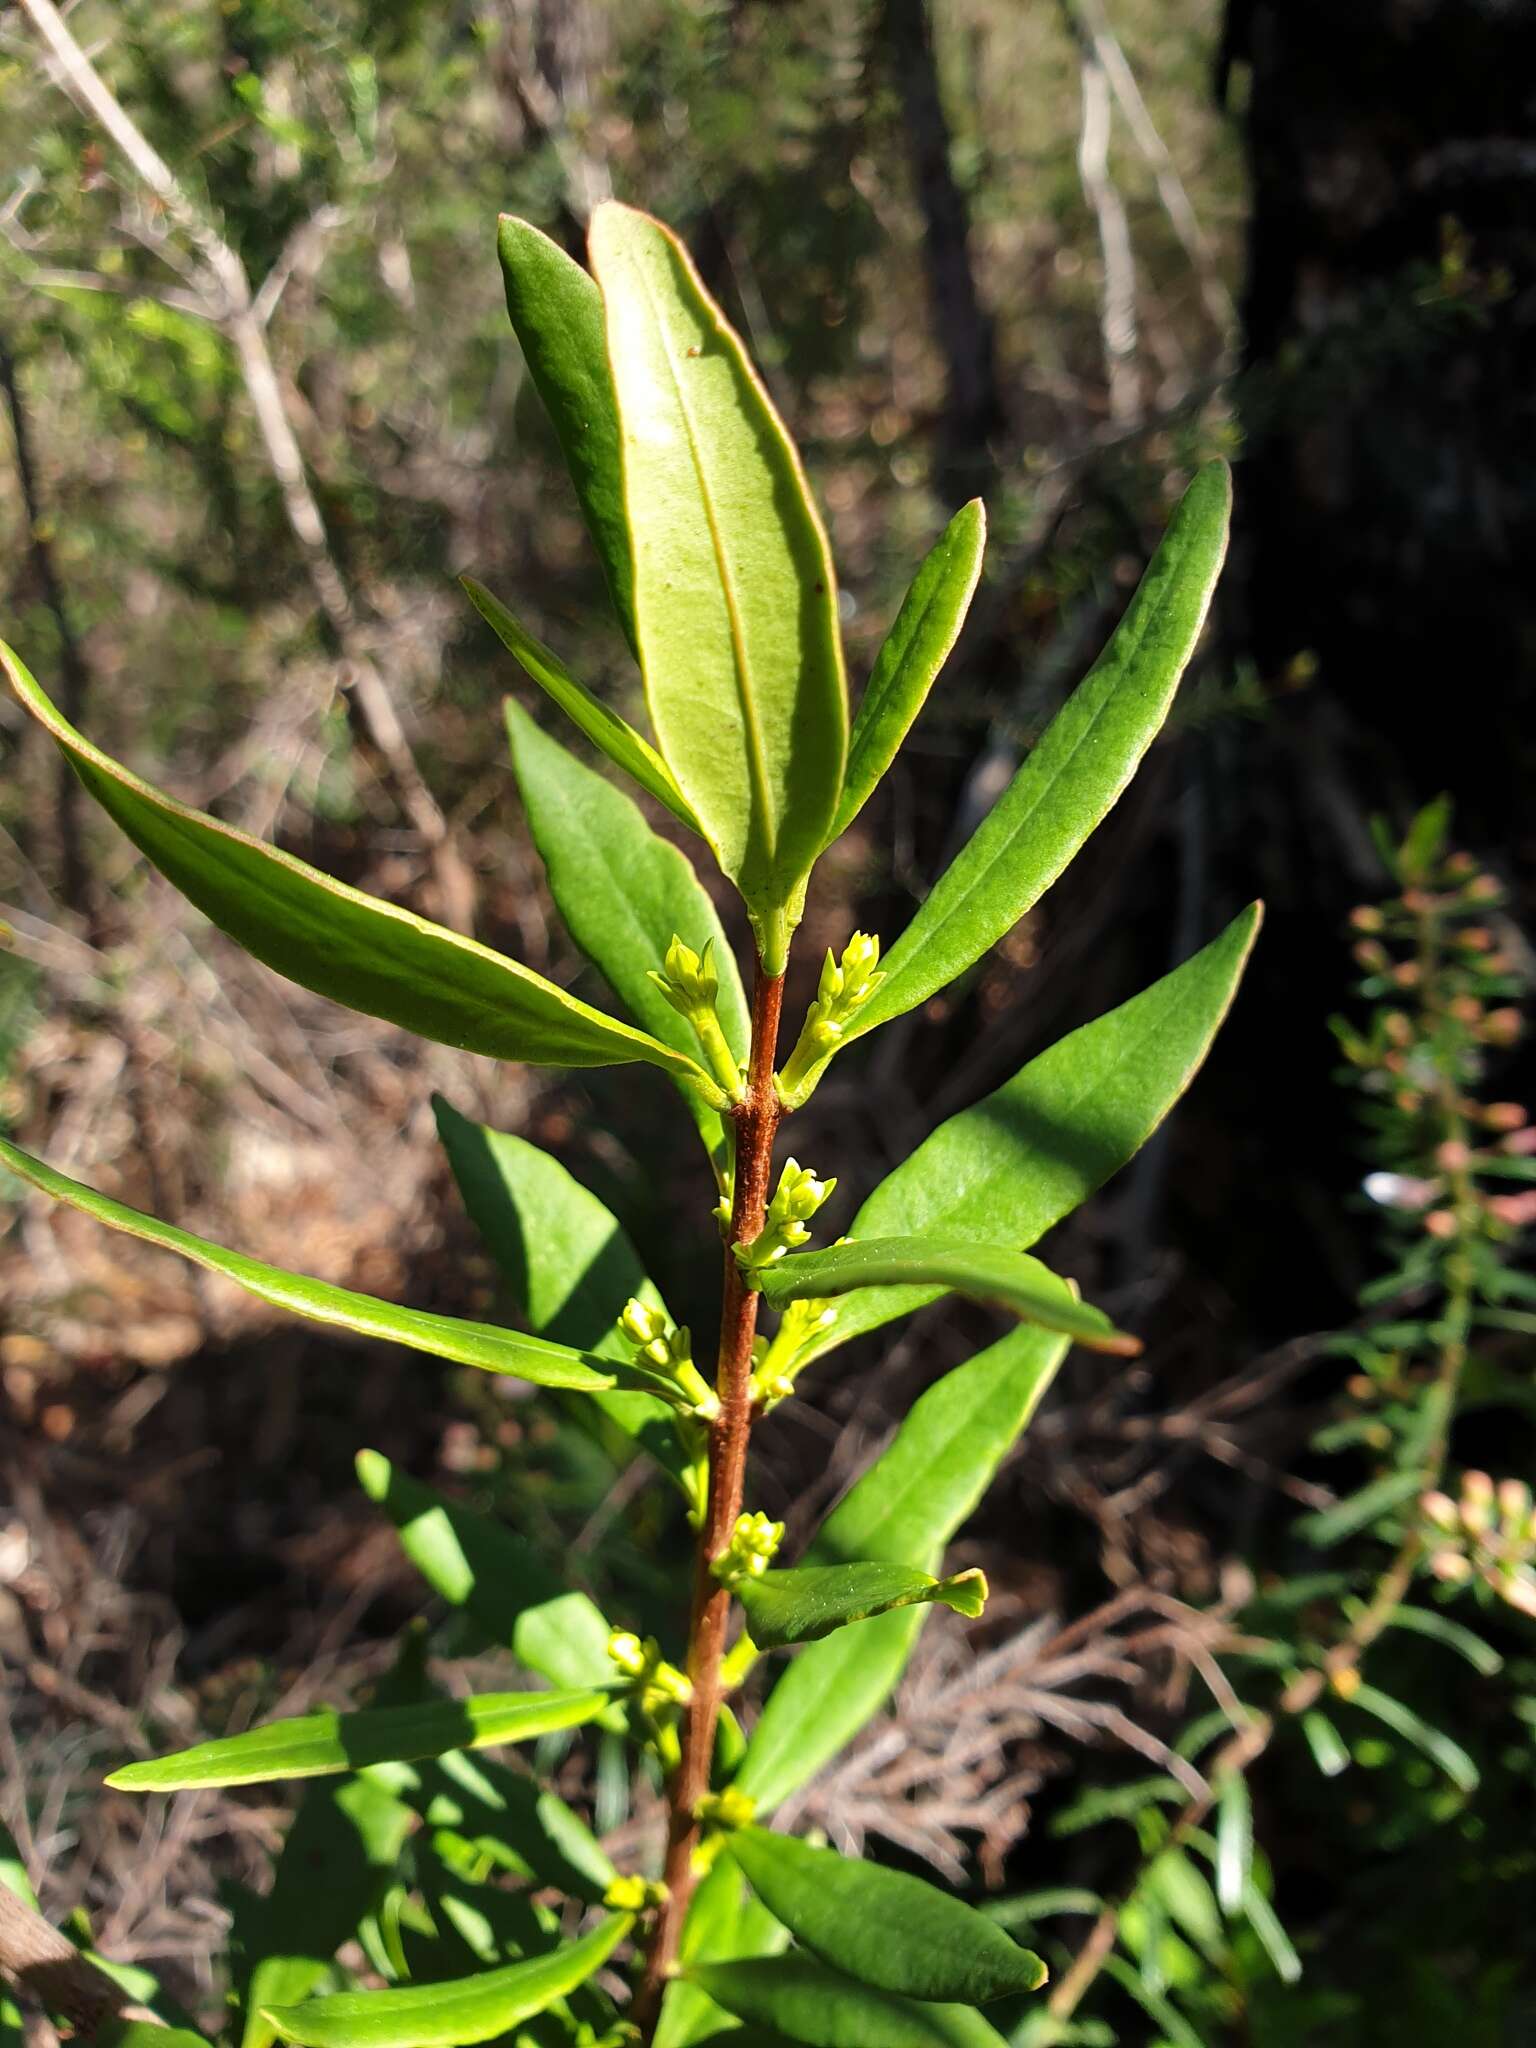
(756,1119)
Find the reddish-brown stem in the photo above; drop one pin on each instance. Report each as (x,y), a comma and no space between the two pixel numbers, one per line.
(756,1119)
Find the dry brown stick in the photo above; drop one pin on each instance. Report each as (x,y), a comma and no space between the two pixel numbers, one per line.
(757,1120)
(230,305)
(41,1961)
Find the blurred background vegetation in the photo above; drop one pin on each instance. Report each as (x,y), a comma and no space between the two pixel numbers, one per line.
(262,406)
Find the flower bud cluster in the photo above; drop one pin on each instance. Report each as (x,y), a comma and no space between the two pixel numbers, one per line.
(691,985)
(1489,1534)
(754,1544)
(665,1352)
(846,986)
(778,1360)
(658,1685)
(786,1226)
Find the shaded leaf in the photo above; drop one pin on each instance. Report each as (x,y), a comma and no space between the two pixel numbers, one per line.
(904,1510)
(569,1264)
(1328,1748)
(735,607)
(1029,1153)
(1073,777)
(315,1745)
(1424,1621)
(883,1927)
(478,1344)
(624,893)
(609,733)
(1446,1754)
(986,1272)
(724,1921)
(445,2015)
(371,956)
(820,2008)
(556,311)
(913,652)
(484,1567)
(335,1862)
(1358,1510)
(804,1605)
(1265,1922)
(519,1823)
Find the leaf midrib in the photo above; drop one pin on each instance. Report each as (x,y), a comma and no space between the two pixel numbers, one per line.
(757,761)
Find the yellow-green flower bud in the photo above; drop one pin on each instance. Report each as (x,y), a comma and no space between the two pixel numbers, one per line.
(844,988)
(690,984)
(797,1198)
(754,1542)
(628,1652)
(631,1893)
(728,1809)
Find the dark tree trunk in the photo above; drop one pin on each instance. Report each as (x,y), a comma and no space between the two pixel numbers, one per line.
(973,410)
(1388,498)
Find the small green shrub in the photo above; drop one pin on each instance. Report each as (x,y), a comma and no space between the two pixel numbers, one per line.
(484,1903)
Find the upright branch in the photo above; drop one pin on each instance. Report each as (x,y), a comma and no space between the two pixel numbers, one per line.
(756,1119)
(40,1960)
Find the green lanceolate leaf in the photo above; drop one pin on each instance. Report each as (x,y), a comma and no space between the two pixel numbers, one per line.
(804,1605)
(1074,776)
(820,2008)
(883,1927)
(315,1745)
(478,1344)
(372,956)
(1442,1751)
(985,1272)
(724,1921)
(1028,1154)
(445,2015)
(915,649)
(482,1566)
(904,1510)
(735,606)
(557,314)
(338,1856)
(609,733)
(514,1821)
(625,894)
(568,1263)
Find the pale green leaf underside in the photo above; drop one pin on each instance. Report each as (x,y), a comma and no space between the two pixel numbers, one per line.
(609,733)
(735,606)
(447,2015)
(904,1510)
(803,1605)
(884,1927)
(1074,776)
(480,1565)
(371,956)
(986,1272)
(624,893)
(820,2008)
(316,1745)
(1032,1151)
(913,652)
(478,1344)
(570,1266)
(556,312)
